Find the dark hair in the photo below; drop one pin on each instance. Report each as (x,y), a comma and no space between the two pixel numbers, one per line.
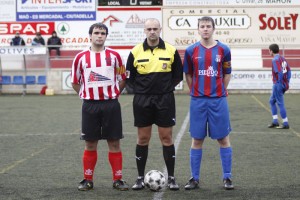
(98,25)
(206,18)
(274,48)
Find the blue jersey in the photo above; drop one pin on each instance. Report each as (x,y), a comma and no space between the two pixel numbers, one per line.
(281,71)
(207,67)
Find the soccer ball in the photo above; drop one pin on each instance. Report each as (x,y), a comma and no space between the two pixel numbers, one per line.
(155,180)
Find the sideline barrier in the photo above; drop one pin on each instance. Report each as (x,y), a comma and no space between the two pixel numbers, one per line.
(14,68)
(250,73)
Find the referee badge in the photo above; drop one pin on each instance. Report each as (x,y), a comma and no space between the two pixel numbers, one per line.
(164,66)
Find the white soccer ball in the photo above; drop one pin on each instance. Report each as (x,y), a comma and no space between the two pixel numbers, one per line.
(155,180)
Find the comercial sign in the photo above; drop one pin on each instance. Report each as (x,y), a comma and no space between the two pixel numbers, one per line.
(234,26)
(56,10)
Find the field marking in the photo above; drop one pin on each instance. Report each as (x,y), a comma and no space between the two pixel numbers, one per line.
(50,134)
(267,109)
(261,103)
(277,132)
(158,195)
(35,134)
(18,162)
(129,133)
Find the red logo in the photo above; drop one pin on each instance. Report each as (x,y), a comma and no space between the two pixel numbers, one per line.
(111,19)
(281,23)
(28,28)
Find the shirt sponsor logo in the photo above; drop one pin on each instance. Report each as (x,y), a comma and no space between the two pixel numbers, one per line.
(97,77)
(209,72)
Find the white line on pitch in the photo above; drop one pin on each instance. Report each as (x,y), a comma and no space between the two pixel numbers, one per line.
(48,134)
(264,133)
(158,195)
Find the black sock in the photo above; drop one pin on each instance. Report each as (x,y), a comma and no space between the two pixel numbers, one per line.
(169,156)
(141,155)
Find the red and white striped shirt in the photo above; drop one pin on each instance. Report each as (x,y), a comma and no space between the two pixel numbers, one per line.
(98,73)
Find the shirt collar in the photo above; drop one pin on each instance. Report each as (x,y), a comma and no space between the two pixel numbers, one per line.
(161,44)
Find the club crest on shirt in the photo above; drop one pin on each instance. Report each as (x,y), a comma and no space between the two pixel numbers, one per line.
(164,66)
(218,58)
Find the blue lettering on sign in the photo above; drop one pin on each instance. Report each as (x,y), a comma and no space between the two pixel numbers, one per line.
(56,16)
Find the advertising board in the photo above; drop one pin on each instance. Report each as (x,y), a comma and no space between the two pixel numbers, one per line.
(237,26)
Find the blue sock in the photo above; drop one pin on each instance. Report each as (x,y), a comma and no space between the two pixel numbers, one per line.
(226,159)
(282,111)
(195,163)
(274,111)
(285,123)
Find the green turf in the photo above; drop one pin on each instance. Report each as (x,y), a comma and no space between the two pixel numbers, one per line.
(40,152)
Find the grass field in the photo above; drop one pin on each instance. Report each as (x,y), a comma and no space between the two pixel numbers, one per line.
(40,152)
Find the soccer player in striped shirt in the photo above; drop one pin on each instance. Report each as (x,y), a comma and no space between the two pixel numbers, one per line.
(281,75)
(98,76)
(207,68)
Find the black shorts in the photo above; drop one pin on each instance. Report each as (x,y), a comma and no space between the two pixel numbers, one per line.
(154,109)
(101,120)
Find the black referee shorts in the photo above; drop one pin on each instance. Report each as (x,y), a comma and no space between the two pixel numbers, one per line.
(154,109)
(101,120)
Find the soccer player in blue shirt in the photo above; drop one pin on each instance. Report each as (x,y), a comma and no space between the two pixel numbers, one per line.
(208,70)
(281,75)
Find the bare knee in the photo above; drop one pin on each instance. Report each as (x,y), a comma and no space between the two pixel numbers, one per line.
(144,135)
(197,143)
(224,142)
(91,145)
(165,135)
(114,145)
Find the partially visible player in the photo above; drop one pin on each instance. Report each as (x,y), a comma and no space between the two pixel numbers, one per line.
(281,75)
(98,76)
(208,71)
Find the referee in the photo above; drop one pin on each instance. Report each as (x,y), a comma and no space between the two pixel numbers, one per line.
(153,70)
(98,76)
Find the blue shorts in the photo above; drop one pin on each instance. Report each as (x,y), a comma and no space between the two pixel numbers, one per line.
(277,94)
(209,116)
